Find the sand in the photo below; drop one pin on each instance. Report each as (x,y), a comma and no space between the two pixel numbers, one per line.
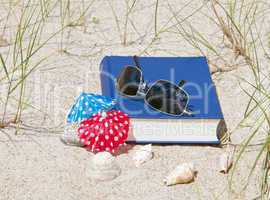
(35,165)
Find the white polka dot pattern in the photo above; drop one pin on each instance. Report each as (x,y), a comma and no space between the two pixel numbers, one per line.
(88,104)
(104,132)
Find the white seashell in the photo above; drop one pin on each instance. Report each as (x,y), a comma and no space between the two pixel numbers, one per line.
(142,155)
(184,173)
(226,161)
(70,136)
(103,167)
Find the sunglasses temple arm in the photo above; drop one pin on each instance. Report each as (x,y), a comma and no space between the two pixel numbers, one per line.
(136,61)
(187,112)
(181,83)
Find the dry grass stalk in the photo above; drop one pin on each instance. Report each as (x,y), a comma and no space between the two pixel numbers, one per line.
(231,34)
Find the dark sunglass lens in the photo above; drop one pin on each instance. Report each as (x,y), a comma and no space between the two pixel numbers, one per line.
(167,97)
(129,80)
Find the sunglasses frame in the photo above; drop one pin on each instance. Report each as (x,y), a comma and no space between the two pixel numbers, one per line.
(184,110)
(142,86)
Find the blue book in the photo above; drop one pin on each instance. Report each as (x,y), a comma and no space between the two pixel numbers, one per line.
(205,125)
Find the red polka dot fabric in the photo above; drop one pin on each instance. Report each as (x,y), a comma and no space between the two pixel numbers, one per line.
(104,132)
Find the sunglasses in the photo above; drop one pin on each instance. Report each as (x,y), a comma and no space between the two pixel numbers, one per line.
(163,96)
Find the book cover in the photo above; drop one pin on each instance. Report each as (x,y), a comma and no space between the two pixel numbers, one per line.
(203,99)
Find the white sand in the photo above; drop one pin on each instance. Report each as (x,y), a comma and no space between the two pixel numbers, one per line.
(36,165)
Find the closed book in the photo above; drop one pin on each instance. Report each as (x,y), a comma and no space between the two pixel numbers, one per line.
(206,123)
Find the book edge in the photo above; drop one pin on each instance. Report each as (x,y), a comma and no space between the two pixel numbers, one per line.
(209,73)
(104,80)
(192,142)
(221,130)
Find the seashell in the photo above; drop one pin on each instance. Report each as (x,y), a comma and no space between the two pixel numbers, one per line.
(3,41)
(226,161)
(70,136)
(143,155)
(103,167)
(184,173)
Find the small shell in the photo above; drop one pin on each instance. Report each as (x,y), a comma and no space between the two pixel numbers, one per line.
(184,173)
(103,167)
(70,136)
(142,155)
(226,161)
(3,42)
